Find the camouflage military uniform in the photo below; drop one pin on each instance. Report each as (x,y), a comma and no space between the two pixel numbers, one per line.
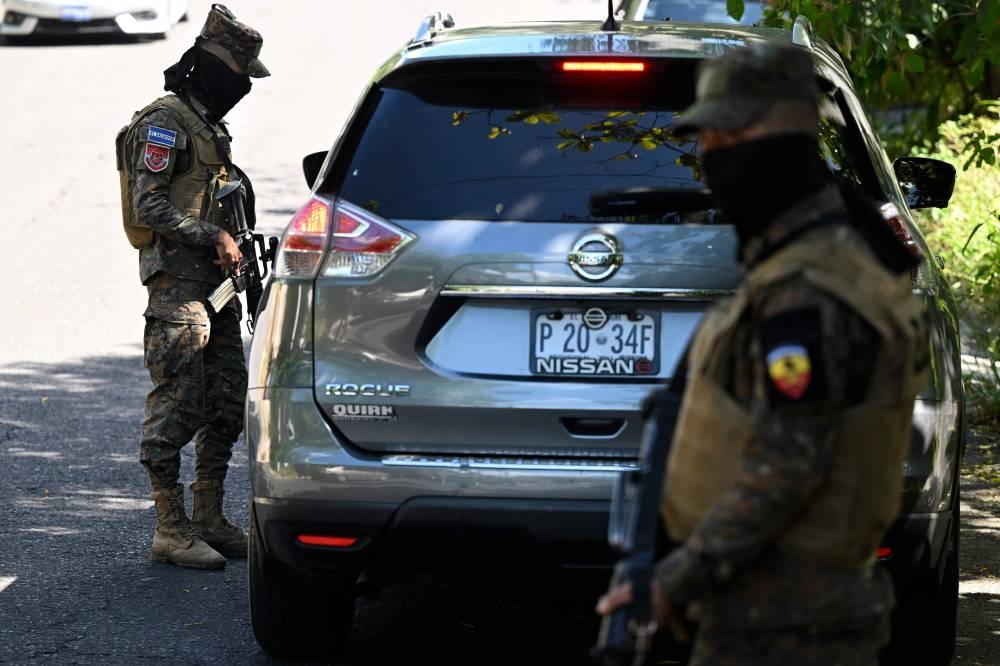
(195,360)
(748,596)
(172,149)
(778,539)
(173,156)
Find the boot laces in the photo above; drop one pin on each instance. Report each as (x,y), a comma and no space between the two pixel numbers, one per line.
(182,525)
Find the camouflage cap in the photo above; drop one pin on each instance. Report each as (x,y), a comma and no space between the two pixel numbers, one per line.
(242,41)
(739,87)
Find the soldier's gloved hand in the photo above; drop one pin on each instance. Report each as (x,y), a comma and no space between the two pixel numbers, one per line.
(229,252)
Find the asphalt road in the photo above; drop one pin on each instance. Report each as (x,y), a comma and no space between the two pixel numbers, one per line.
(76,584)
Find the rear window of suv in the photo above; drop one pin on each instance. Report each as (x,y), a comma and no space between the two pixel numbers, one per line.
(524,143)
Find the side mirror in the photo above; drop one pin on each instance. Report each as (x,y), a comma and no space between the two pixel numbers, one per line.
(926,182)
(311,164)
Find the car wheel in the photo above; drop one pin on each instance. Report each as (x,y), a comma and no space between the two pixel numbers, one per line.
(292,618)
(925,621)
(945,620)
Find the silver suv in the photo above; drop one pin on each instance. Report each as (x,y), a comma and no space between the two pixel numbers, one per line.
(504,252)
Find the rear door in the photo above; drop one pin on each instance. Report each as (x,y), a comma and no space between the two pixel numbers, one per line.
(560,252)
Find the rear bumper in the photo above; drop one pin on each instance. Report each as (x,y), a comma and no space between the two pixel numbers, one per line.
(415,516)
(918,543)
(437,534)
(297,455)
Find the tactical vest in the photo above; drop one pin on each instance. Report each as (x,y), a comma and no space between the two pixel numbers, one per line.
(846,519)
(190,191)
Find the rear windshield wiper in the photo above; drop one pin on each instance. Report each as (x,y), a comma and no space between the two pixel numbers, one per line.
(649,200)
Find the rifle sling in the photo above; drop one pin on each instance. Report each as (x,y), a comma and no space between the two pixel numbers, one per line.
(250,208)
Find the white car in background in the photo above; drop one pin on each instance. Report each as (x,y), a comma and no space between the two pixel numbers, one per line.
(22,18)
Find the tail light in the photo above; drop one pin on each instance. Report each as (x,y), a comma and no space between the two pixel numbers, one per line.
(304,242)
(604,66)
(361,244)
(919,275)
(356,243)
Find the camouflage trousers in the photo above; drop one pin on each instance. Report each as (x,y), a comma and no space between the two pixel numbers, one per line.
(199,380)
(858,645)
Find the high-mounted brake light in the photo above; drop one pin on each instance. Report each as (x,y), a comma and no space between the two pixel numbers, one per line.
(362,243)
(304,242)
(327,541)
(616,66)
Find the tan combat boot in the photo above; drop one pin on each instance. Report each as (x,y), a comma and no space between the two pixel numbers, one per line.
(174,540)
(208,520)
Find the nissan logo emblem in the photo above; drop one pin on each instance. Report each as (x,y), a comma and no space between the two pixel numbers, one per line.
(595,257)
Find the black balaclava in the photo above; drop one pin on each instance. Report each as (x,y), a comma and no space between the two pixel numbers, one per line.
(756,181)
(209,79)
(752,196)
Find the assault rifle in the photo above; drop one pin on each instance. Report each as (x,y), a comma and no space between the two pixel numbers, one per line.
(633,530)
(253,265)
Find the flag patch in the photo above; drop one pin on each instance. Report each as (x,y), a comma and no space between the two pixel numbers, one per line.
(790,370)
(163,137)
(156,157)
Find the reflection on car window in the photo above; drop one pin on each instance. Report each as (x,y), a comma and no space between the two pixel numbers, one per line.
(700,11)
(422,159)
(835,151)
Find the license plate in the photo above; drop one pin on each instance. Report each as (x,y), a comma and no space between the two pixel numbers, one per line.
(595,342)
(75,13)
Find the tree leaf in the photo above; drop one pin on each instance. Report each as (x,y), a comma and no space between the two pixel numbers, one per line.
(735,9)
(896,85)
(914,63)
(494,132)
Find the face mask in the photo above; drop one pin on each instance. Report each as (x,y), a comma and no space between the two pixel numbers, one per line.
(754,182)
(216,85)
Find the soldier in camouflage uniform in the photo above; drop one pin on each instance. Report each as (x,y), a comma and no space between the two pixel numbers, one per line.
(172,158)
(784,473)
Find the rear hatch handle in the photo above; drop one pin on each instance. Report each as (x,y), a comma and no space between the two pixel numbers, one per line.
(592,428)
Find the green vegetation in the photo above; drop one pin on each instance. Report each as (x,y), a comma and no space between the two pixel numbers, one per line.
(935,64)
(967,237)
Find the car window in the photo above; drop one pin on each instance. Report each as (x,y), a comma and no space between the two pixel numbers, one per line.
(698,11)
(441,149)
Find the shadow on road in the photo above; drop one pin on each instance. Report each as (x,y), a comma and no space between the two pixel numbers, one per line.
(978,640)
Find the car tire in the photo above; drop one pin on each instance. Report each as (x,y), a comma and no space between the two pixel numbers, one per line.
(292,618)
(924,626)
(946,606)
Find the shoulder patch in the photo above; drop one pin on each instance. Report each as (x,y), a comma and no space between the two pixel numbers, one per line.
(161,136)
(156,157)
(789,369)
(792,349)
